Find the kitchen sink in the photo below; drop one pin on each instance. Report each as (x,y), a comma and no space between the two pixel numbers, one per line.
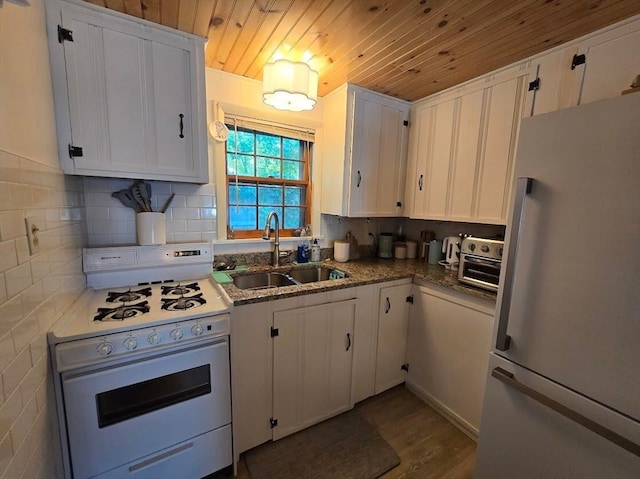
(290,278)
(311,275)
(262,280)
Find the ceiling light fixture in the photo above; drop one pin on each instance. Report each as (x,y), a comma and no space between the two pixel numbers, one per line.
(288,85)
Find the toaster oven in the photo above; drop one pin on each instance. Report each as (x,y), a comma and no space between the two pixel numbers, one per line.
(480,262)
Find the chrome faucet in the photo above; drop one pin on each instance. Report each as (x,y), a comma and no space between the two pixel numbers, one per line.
(266,235)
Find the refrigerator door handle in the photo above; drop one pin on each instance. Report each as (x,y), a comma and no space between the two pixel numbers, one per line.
(507,378)
(523,188)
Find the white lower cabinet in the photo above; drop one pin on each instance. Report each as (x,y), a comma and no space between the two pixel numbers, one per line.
(291,362)
(393,317)
(449,338)
(300,360)
(312,360)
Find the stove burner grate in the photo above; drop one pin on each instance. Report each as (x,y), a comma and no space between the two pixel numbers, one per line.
(127,296)
(180,289)
(183,303)
(123,312)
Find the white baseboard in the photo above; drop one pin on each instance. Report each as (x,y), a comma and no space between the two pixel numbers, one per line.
(451,416)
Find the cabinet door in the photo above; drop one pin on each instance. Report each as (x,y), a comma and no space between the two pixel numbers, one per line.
(421,151)
(447,352)
(612,63)
(464,171)
(504,111)
(434,161)
(251,376)
(312,364)
(365,156)
(558,88)
(378,158)
(105,81)
(172,109)
(393,316)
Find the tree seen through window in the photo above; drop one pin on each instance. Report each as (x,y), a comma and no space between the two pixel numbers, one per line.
(266,172)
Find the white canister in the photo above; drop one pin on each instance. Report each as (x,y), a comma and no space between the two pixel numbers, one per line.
(400,250)
(341,251)
(151,228)
(412,249)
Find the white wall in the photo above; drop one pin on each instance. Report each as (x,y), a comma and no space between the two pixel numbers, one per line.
(34,290)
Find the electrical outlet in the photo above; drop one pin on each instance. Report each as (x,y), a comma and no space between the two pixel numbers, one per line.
(32,236)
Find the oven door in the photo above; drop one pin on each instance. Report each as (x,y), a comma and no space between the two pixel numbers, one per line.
(121,413)
(481,272)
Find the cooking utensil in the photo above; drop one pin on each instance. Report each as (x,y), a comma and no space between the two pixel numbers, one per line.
(167,203)
(137,196)
(127,199)
(145,194)
(147,187)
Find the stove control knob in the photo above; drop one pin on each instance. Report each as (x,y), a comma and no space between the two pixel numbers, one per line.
(472,246)
(130,344)
(197,330)
(485,249)
(154,338)
(176,334)
(105,349)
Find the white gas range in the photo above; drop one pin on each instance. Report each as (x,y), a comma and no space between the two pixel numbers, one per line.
(143,354)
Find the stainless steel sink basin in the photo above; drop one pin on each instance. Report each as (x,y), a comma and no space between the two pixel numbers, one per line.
(262,281)
(289,278)
(311,275)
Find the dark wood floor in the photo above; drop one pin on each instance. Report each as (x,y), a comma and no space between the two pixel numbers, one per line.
(428,445)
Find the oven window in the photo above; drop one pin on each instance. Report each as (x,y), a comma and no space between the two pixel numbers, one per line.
(482,271)
(135,400)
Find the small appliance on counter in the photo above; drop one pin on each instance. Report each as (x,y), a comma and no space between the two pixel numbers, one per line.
(385,245)
(480,262)
(451,250)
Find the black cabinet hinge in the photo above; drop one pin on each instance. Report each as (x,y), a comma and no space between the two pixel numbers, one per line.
(273,422)
(75,151)
(405,367)
(578,60)
(399,204)
(405,123)
(64,35)
(410,299)
(274,332)
(534,85)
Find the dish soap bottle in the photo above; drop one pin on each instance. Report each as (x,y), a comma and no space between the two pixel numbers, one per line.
(315,250)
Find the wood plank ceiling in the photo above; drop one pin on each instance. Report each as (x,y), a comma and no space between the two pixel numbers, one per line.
(405,48)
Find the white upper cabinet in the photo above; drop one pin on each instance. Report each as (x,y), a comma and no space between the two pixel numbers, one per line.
(612,61)
(129,96)
(598,66)
(364,153)
(461,150)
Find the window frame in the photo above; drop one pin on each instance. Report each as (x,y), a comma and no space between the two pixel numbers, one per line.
(306,147)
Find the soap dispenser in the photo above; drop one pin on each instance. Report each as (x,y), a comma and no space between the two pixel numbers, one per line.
(315,250)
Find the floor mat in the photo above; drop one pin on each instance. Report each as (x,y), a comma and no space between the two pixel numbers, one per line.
(345,447)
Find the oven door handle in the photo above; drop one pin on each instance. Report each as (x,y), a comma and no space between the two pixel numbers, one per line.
(523,188)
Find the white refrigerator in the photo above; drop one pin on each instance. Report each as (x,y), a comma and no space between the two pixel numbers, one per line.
(562,397)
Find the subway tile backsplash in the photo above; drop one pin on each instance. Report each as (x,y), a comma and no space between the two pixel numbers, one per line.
(34,292)
(190,217)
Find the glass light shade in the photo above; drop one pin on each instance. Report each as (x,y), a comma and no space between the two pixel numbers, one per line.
(291,86)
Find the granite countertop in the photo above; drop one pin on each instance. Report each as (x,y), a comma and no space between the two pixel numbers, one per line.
(360,272)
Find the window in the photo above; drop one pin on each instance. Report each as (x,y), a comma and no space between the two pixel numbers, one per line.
(267,171)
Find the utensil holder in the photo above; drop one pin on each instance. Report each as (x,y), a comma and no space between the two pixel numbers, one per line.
(151,228)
